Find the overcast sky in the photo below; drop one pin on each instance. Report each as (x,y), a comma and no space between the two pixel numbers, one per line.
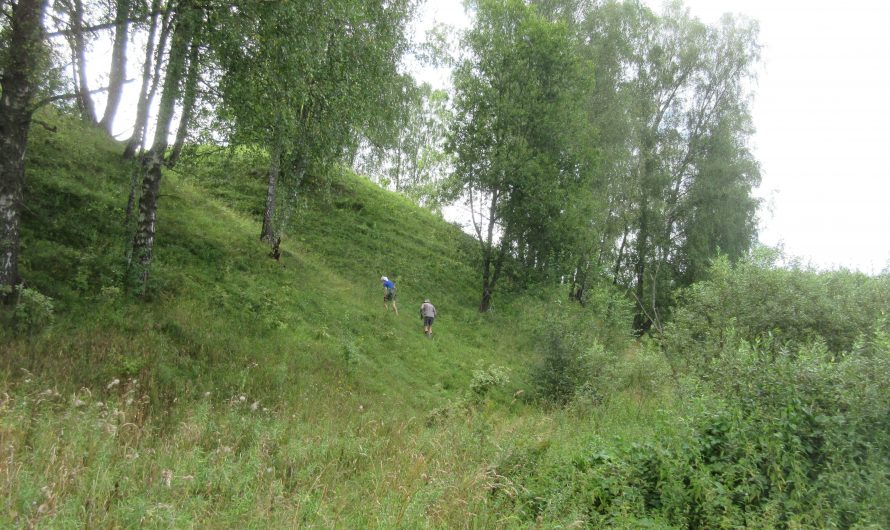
(822,113)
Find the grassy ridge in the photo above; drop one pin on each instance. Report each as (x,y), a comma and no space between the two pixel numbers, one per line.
(242,389)
(214,293)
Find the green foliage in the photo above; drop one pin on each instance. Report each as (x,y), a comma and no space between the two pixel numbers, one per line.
(487,379)
(518,137)
(247,392)
(33,311)
(410,158)
(332,385)
(566,348)
(670,106)
(235,175)
(779,307)
(301,79)
(563,367)
(479,396)
(793,442)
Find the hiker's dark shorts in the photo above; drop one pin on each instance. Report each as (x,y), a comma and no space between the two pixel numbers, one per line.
(389,295)
(428,321)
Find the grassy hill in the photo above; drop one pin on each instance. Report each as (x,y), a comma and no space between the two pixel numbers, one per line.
(244,391)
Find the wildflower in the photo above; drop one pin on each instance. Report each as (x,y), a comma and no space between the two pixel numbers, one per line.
(113,384)
(254,406)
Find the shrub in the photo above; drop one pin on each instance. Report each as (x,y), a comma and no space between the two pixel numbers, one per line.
(794,441)
(486,379)
(575,348)
(32,313)
(778,307)
(562,367)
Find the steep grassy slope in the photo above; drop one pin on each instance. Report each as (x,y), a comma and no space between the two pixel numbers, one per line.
(244,391)
(217,301)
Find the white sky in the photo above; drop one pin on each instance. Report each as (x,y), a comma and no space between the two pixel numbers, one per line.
(822,114)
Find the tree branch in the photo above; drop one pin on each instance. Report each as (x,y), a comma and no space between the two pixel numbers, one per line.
(107,25)
(70,95)
(48,127)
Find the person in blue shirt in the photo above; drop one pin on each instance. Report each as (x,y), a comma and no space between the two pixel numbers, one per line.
(389,294)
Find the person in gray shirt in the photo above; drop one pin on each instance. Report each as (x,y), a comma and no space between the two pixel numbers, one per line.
(427,314)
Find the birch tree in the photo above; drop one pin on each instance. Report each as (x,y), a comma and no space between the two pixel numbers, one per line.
(516,138)
(23,54)
(117,72)
(302,79)
(677,123)
(142,251)
(151,73)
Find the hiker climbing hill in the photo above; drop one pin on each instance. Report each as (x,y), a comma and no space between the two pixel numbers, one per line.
(427,314)
(389,294)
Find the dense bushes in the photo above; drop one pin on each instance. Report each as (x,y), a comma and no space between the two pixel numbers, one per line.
(782,419)
(779,307)
(794,442)
(576,347)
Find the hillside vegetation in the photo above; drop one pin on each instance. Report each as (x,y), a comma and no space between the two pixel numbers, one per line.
(282,389)
(243,391)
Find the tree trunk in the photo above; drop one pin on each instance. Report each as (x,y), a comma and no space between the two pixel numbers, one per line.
(490,274)
(268,231)
(579,281)
(131,197)
(648,189)
(143,241)
(118,71)
(84,99)
(641,320)
(189,100)
(18,84)
(487,288)
(148,80)
(616,270)
(488,279)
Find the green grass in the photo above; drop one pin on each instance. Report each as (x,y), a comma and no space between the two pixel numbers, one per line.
(244,392)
